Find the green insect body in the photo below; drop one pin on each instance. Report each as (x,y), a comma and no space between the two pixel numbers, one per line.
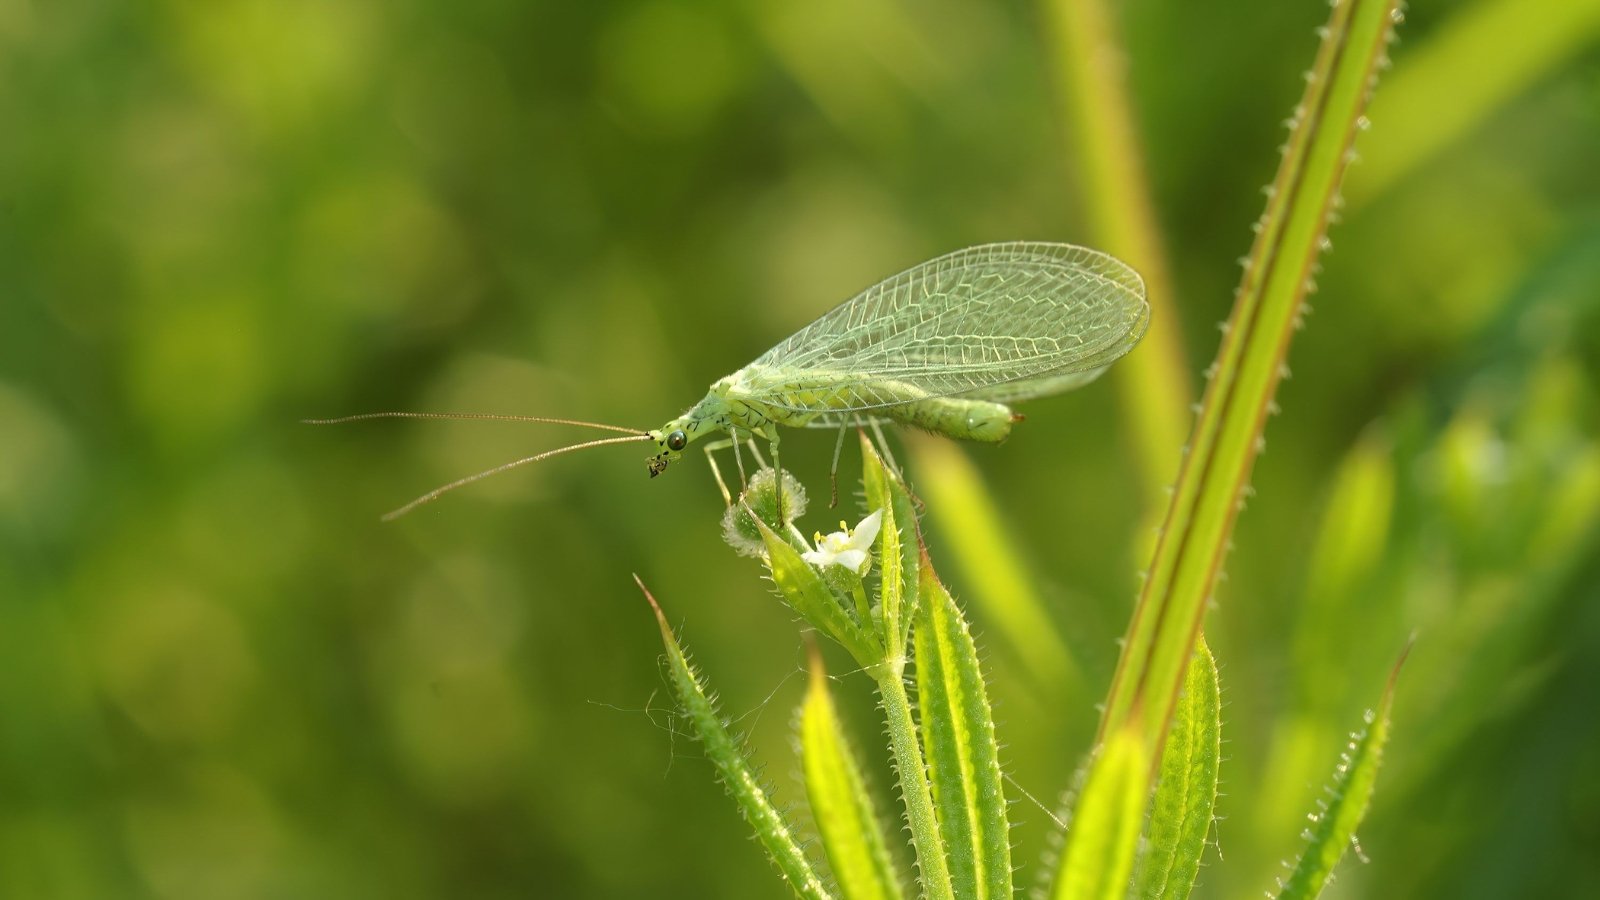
(945,346)
(969,420)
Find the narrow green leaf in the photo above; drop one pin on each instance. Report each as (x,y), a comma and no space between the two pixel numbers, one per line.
(1186,792)
(958,738)
(1333,825)
(874,474)
(806,591)
(885,490)
(1244,379)
(1098,857)
(727,755)
(891,580)
(851,831)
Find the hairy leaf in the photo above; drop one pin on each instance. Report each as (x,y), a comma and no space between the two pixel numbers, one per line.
(1334,823)
(1186,792)
(884,490)
(1098,857)
(958,737)
(851,831)
(727,755)
(808,593)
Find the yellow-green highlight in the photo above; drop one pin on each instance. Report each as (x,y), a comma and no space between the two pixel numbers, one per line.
(1104,829)
(958,738)
(899,550)
(842,807)
(1185,798)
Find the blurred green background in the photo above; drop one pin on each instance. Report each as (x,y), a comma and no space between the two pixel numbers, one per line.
(222,677)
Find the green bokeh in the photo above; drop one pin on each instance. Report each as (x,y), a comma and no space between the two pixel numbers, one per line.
(221,676)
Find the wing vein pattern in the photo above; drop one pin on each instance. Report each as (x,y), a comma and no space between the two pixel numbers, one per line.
(1000,322)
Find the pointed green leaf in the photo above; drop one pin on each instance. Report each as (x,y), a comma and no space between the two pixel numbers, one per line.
(884,489)
(958,738)
(1333,825)
(891,581)
(727,755)
(851,831)
(808,593)
(1098,857)
(1186,792)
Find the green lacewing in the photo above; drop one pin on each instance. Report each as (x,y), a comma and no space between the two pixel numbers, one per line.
(946,346)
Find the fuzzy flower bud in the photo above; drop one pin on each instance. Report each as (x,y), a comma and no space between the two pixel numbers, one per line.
(761,496)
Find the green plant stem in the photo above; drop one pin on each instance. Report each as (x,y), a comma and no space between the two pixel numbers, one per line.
(863,606)
(914,790)
(1227,438)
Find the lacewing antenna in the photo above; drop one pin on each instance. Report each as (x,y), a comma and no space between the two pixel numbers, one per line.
(545,420)
(461,482)
(633,434)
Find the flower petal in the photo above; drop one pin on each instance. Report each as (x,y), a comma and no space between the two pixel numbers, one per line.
(867,531)
(853,559)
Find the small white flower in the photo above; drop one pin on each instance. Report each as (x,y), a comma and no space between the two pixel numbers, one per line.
(845,547)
